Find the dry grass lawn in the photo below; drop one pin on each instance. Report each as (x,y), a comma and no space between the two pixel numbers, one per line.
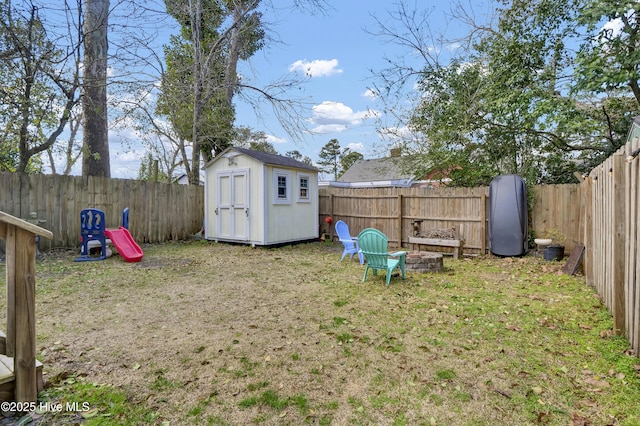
(204,333)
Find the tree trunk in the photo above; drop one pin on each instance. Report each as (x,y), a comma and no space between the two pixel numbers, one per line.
(198,105)
(95,159)
(231,73)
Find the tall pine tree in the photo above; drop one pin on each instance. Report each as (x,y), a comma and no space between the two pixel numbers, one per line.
(330,158)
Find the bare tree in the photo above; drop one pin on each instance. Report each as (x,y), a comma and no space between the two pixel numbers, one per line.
(70,150)
(157,135)
(40,81)
(220,35)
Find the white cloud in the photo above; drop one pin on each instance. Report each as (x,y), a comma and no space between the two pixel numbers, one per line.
(395,134)
(126,164)
(129,156)
(334,117)
(359,147)
(370,93)
(316,68)
(614,27)
(274,139)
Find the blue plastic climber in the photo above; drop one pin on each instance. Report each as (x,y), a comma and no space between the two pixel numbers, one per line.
(125,218)
(92,227)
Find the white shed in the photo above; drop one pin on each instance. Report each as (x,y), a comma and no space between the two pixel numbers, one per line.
(257,198)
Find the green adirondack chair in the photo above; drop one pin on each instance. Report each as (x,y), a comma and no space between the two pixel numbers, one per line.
(374,246)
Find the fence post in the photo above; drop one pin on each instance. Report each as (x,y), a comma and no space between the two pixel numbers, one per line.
(331,228)
(399,220)
(631,231)
(619,247)
(483,226)
(587,190)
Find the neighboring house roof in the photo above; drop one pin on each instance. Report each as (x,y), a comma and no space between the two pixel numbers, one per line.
(183,179)
(266,158)
(377,172)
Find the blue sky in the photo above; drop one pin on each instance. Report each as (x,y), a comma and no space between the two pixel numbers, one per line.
(339,52)
(337,55)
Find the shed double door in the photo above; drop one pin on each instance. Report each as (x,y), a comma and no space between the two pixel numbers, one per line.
(233,205)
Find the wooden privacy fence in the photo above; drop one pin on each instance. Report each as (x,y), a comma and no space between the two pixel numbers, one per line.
(611,202)
(558,207)
(395,210)
(158,212)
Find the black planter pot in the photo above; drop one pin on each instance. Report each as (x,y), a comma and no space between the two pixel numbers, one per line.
(554,252)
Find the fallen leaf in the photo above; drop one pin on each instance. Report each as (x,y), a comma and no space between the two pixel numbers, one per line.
(542,418)
(504,393)
(597,383)
(578,420)
(586,403)
(89,413)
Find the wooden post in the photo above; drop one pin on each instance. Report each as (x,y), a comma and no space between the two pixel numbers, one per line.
(331,228)
(331,205)
(20,239)
(399,220)
(24,363)
(633,267)
(619,247)
(11,289)
(588,189)
(483,224)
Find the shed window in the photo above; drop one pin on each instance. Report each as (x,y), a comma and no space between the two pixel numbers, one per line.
(282,187)
(282,190)
(303,188)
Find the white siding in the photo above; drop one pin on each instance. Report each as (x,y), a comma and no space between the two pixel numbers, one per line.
(297,220)
(272,219)
(223,165)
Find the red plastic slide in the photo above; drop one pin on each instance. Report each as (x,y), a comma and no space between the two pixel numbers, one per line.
(128,249)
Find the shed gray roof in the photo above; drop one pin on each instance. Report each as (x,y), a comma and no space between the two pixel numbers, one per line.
(271,159)
(380,169)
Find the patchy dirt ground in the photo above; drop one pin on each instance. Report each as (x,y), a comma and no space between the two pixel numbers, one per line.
(227,334)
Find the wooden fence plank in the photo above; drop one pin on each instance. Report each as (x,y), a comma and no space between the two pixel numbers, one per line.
(618,251)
